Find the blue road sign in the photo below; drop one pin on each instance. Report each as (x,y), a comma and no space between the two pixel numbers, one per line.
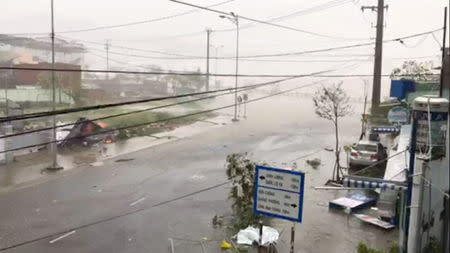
(279,193)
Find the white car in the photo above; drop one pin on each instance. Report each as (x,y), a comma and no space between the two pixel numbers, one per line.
(366,153)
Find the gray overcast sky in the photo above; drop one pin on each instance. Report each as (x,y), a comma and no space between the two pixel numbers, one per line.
(403,17)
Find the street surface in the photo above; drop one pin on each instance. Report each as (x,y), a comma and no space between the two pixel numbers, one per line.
(135,202)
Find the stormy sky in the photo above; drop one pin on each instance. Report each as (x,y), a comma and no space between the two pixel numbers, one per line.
(338,23)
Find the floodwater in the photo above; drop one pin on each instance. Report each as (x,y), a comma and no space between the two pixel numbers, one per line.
(31,167)
(279,132)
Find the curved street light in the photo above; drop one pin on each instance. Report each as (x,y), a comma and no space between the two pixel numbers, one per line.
(235,20)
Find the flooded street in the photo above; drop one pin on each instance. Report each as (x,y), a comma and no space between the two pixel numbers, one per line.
(130,176)
(143,126)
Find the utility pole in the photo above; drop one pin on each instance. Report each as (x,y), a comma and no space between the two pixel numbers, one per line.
(443,54)
(6,94)
(107,58)
(446,240)
(364,117)
(208,33)
(378,53)
(54,147)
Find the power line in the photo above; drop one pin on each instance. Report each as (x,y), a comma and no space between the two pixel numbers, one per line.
(160,120)
(173,73)
(277,60)
(379,162)
(118,216)
(192,57)
(256,20)
(310,10)
(242,88)
(339,47)
(309,61)
(134,49)
(314,50)
(169,72)
(284,60)
(124,24)
(317,8)
(180,57)
(103,106)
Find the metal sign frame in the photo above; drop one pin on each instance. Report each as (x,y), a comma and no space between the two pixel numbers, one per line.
(300,192)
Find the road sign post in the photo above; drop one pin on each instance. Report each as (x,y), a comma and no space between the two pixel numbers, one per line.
(292,237)
(279,193)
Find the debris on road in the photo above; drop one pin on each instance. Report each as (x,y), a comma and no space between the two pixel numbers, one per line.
(86,132)
(374,221)
(124,160)
(314,163)
(225,245)
(217,221)
(250,234)
(354,201)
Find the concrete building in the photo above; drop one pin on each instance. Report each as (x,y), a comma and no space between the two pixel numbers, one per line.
(34,50)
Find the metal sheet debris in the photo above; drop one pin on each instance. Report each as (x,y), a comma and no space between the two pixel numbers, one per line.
(353,201)
(374,221)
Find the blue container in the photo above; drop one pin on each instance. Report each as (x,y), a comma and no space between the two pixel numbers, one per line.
(401,88)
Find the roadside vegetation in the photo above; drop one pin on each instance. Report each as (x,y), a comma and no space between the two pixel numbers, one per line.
(332,103)
(363,248)
(240,171)
(128,121)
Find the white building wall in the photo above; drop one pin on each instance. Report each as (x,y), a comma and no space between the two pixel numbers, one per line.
(46,55)
(436,171)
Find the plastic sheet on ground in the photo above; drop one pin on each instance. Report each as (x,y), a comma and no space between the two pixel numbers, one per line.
(250,234)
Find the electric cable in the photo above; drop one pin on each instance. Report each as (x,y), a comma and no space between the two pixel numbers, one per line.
(258,21)
(191,73)
(103,106)
(310,10)
(159,120)
(240,89)
(339,47)
(117,216)
(379,162)
(399,39)
(124,24)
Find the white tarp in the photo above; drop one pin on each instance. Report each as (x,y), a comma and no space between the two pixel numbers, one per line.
(250,234)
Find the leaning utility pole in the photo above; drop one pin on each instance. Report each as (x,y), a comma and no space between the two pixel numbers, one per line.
(107,58)
(208,33)
(378,54)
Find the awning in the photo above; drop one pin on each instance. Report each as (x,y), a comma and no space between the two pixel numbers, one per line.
(373,184)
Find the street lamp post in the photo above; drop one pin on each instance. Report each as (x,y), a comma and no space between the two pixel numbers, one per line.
(235,19)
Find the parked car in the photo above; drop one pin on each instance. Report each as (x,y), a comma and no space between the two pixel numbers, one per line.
(367,152)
